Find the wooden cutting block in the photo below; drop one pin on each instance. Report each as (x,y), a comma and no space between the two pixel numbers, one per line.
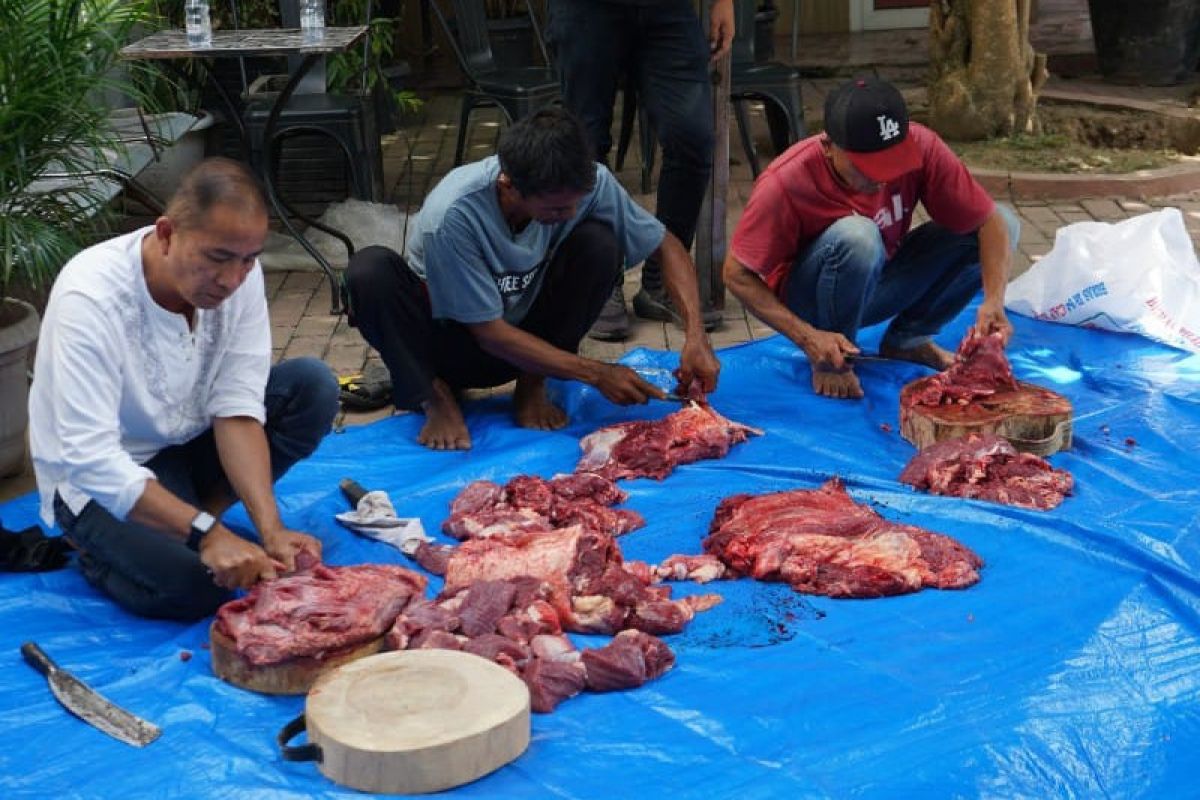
(1033,419)
(416,721)
(294,676)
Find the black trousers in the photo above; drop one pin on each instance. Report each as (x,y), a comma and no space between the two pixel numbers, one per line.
(663,46)
(389,305)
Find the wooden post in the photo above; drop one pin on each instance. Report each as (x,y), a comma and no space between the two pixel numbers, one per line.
(710,230)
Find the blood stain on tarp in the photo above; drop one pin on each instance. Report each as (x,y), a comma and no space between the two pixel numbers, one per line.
(772,614)
(885,427)
(1130,441)
(185,655)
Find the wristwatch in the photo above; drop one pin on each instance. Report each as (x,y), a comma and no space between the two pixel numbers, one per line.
(201,525)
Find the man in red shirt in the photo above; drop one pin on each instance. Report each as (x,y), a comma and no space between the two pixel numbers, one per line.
(824,245)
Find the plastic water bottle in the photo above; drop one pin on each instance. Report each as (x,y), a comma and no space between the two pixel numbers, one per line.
(312,20)
(197,23)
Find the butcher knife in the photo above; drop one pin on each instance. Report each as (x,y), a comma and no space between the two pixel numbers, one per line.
(84,702)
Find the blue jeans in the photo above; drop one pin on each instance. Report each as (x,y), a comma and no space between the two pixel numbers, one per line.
(843,280)
(663,47)
(153,574)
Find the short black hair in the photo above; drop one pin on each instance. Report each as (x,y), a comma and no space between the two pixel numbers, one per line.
(212,182)
(547,151)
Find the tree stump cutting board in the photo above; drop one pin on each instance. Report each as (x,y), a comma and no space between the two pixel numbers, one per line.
(1033,419)
(294,676)
(413,721)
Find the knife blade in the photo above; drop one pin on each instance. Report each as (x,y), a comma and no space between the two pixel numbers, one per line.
(89,705)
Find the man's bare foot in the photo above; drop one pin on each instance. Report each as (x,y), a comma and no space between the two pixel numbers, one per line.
(928,354)
(533,409)
(444,427)
(841,384)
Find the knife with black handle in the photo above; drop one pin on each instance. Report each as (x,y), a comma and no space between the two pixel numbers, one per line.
(86,703)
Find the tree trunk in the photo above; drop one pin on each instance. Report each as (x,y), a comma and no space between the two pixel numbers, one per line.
(986,75)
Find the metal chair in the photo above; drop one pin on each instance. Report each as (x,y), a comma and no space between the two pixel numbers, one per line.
(775,84)
(516,91)
(348,120)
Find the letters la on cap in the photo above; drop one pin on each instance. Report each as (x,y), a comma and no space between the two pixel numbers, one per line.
(867,118)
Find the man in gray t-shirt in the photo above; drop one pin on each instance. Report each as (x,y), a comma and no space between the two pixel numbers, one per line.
(507,266)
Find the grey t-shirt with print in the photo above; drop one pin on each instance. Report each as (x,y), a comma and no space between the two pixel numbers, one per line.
(478,270)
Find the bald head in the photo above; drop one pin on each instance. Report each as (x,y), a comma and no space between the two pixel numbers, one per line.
(215,182)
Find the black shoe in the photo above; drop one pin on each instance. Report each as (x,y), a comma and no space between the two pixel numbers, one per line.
(657,306)
(366,392)
(613,323)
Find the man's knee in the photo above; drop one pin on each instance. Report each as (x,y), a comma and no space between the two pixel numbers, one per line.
(688,138)
(1013,223)
(858,244)
(302,400)
(182,589)
(372,269)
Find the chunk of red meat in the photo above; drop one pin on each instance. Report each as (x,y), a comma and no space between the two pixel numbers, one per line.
(551,682)
(309,614)
(980,369)
(822,542)
(484,603)
(629,660)
(987,467)
(653,449)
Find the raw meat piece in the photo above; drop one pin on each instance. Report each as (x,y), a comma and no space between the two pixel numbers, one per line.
(629,660)
(980,369)
(987,467)
(582,570)
(528,503)
(433,557)
(483,605)
(309,614)
(509,622)
(700,569)
(822,542)
(551,682)
(652,449)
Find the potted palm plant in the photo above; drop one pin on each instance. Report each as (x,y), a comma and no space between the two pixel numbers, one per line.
(55,67)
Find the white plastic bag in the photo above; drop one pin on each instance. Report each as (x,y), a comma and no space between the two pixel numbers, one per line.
(1136,276)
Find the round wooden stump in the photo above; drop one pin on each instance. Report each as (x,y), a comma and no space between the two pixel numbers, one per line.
(294,676)
(1033,419)
(417,721)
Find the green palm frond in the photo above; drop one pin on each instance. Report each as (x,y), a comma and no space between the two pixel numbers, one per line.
(56,66)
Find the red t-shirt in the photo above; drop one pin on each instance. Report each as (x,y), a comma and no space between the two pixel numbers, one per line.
(798,197)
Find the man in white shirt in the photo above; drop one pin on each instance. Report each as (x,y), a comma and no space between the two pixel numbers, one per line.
(154,405)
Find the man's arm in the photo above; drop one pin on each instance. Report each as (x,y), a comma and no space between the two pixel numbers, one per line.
(531,354)
(235,563)
(696,360)
(720,28)
(995,262)
(821,347)
(246,459)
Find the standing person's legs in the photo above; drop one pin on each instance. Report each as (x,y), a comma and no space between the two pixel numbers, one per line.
(933,276)
(590,69)
(672,59)
(152,573)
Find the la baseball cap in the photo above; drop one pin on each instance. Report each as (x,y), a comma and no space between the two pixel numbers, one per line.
(867,118)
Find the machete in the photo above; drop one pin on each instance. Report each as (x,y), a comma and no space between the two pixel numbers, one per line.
(84,702)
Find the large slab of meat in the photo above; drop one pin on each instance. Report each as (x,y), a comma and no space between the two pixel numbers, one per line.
(822,542)
(587,584)
(653,448)
(980,369)
(528,503)
(318,611)
(978,394)
(513,623)
(987,467)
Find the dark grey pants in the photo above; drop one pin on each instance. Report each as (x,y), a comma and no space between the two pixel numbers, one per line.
(153,574)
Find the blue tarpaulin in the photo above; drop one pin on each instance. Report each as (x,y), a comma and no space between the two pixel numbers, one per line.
(1071,670)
